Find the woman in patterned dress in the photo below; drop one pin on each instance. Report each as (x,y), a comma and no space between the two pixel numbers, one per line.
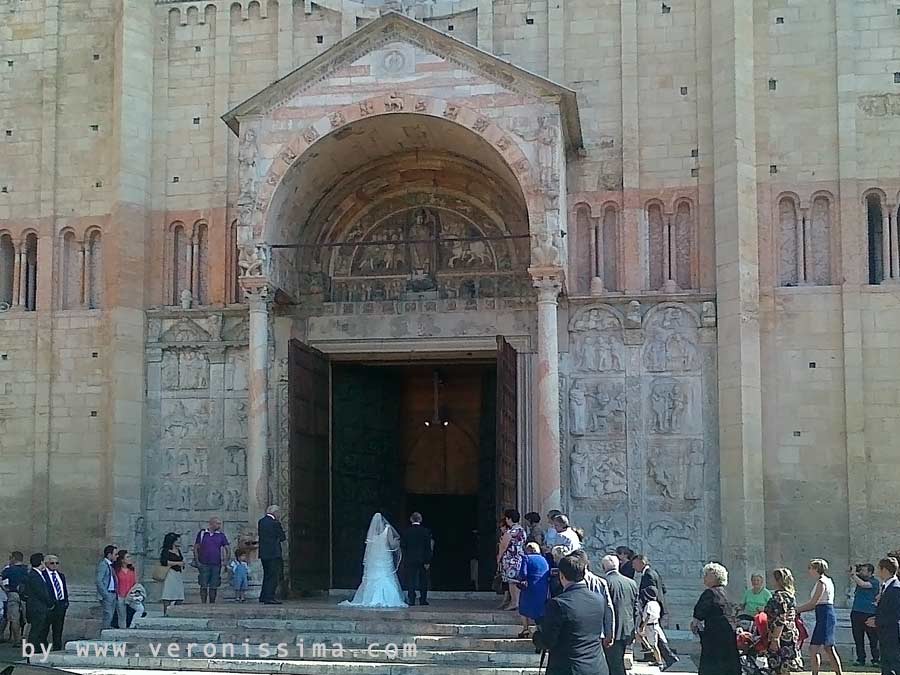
(512,552)
(784,654)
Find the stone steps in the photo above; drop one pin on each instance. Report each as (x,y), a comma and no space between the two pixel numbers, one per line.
(451,638)
(376,624)
(379,649)
(349,640)
(113,666)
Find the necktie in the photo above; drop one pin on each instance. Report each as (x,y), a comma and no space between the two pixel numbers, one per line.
(56,585)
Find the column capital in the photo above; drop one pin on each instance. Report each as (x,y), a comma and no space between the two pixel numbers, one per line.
(258,293)
(548,283)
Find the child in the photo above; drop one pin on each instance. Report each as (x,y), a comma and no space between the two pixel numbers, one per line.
(240,575)
(650,629)
(135,600)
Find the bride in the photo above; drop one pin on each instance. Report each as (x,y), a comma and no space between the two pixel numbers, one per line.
(380,586)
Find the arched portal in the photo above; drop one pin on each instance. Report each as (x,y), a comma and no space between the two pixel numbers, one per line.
(401,206)
(402,221)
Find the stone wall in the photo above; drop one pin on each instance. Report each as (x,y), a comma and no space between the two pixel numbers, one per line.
(97,114)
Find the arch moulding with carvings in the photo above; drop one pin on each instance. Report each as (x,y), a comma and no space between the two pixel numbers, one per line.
(475,121)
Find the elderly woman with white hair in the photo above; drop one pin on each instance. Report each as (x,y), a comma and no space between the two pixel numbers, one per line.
(712,622)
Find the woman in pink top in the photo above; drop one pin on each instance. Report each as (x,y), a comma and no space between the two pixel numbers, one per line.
(126,577)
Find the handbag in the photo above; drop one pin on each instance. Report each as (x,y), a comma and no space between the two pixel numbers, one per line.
(160,572)
(497,584)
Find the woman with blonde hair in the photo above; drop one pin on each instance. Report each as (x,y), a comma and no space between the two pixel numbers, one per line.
(822,601)
(784,655)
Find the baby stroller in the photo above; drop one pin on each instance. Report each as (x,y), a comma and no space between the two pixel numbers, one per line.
(753,646)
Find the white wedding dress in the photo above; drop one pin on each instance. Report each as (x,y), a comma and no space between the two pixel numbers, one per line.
(380,586)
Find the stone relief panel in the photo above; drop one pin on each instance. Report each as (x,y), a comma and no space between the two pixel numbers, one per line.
(194,457)
(673,405)
(236,411)
(597,408)
(641,430)
(185,369)
(598,469)
(236,369)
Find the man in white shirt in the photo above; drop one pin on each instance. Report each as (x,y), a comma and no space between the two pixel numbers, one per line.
(566,535)
(105,581)
(551,538)
(56,580)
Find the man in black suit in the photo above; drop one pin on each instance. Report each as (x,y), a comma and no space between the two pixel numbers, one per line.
(39,602)
(887,617)
(417,545)
(626,609)
(271,534)
(650,578)
(626,567)
(59,591)
(573,623)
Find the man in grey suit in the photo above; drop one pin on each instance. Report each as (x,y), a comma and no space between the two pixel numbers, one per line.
(624,594)
(105,580)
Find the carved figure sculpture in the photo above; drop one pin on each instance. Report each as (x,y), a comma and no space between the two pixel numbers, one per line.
(184,463)
(186,299)
(167,497)
(201,462)
(659,403)
(633,318)
(235,461)
(170,370)
(251,261)
(671,540)
(608,532)
(184,498)
(234,500)
(677,405)
(193,372)
(582,469)
(608,411)
(693,484)
(665,474)
(578,400)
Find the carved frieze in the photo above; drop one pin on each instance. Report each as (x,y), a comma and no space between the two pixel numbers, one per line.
(185,330)
(235,461)
(236,411)
(236,369)
(598,469)
(671,344)
(597,407)
(671,406)
(186,418)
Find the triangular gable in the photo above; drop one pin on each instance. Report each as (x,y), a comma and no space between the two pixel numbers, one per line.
(393,27)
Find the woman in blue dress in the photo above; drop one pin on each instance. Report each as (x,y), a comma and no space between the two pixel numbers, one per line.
(535,584)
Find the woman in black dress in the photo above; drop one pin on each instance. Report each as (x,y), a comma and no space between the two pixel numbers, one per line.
(712,622)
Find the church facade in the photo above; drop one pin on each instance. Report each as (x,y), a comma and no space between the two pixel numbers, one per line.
(668,233)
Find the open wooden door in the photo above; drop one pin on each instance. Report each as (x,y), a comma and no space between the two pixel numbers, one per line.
(309,392)
(507,466)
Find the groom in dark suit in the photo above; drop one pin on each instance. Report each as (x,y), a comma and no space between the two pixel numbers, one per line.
(417,546)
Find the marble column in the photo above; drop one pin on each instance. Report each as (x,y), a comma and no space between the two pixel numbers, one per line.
(259,298)
(895,244)
(886,245)
(546,381)
(17,274)
(83,275)
(597,260)
(669,283)
(802,248)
